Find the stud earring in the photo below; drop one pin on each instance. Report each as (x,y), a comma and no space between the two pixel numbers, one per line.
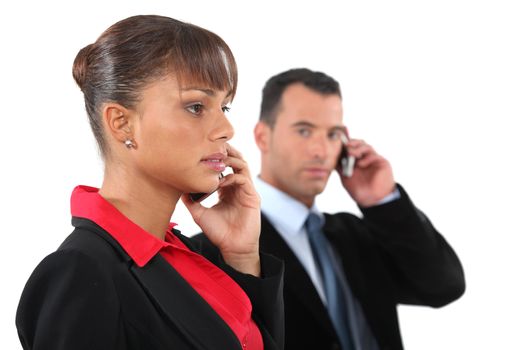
(129,143)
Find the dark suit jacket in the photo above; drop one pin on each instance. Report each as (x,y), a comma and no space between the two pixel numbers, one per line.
(393,255)
(89,294)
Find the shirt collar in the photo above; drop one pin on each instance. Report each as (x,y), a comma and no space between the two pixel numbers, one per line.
(282,209)
(139,244)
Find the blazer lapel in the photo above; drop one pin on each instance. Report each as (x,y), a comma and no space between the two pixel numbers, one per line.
(184,306)
(296,279)
(175,297)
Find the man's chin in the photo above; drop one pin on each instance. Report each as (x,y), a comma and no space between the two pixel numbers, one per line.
(315,188)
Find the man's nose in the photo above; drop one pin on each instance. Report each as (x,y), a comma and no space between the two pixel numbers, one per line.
(318,147)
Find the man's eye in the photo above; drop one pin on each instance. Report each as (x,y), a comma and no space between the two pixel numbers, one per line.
(304,132)
(195,108)
(334,135)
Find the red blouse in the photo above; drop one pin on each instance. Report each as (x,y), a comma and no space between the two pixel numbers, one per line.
(220,291)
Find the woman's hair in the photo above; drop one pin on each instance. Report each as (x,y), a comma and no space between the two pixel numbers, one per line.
(134,52)
(275,86)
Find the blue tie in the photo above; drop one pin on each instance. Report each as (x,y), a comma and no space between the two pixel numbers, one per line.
(335,299)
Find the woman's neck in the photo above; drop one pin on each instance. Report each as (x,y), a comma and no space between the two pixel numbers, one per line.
(147,203)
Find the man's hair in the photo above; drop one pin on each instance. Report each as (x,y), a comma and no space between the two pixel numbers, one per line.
(276,85)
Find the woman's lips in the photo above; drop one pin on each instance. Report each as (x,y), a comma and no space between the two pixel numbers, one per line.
(215,162)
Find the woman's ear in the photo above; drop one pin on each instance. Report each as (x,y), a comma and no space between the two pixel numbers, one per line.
(118,123)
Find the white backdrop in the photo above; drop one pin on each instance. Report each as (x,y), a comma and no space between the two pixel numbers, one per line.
(436,86)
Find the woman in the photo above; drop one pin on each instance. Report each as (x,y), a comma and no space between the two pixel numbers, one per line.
(156,91)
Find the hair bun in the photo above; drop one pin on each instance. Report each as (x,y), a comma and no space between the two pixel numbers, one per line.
(80,66)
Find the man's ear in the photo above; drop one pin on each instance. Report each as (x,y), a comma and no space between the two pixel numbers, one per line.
(262,133)
(117,122)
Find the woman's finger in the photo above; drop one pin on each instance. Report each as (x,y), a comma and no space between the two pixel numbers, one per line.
(195,208)
(238,165)
(236,161)
(238,182)
(234,179)
(232,151)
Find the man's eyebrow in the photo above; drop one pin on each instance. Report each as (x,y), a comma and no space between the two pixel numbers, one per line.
(303,123)
(338,128)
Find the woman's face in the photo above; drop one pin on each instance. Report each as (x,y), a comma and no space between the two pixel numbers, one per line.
(181,134)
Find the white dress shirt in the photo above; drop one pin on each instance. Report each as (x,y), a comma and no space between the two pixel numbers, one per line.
(288,216)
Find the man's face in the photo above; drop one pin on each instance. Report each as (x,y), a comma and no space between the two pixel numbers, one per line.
(304,144)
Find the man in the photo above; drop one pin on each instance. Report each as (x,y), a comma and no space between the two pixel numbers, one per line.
(392,255)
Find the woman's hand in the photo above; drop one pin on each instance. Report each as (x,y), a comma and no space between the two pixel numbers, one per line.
(234,223)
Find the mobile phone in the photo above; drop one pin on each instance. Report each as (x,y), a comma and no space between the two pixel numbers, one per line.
(346,161)
(200,196)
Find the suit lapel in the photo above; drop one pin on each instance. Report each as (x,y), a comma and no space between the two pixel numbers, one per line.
(351,265)
(296,280)
(371,293)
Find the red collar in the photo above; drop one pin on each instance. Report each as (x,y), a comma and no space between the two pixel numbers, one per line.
(139,244)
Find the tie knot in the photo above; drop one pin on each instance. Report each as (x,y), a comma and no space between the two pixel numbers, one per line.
(313,223)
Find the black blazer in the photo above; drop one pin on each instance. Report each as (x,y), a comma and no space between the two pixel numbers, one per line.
(392,256)
(89,294)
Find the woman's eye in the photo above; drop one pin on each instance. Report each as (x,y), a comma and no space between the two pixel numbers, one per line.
(226,109)
(195,108)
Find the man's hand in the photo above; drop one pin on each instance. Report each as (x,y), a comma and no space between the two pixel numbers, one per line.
(372,178)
